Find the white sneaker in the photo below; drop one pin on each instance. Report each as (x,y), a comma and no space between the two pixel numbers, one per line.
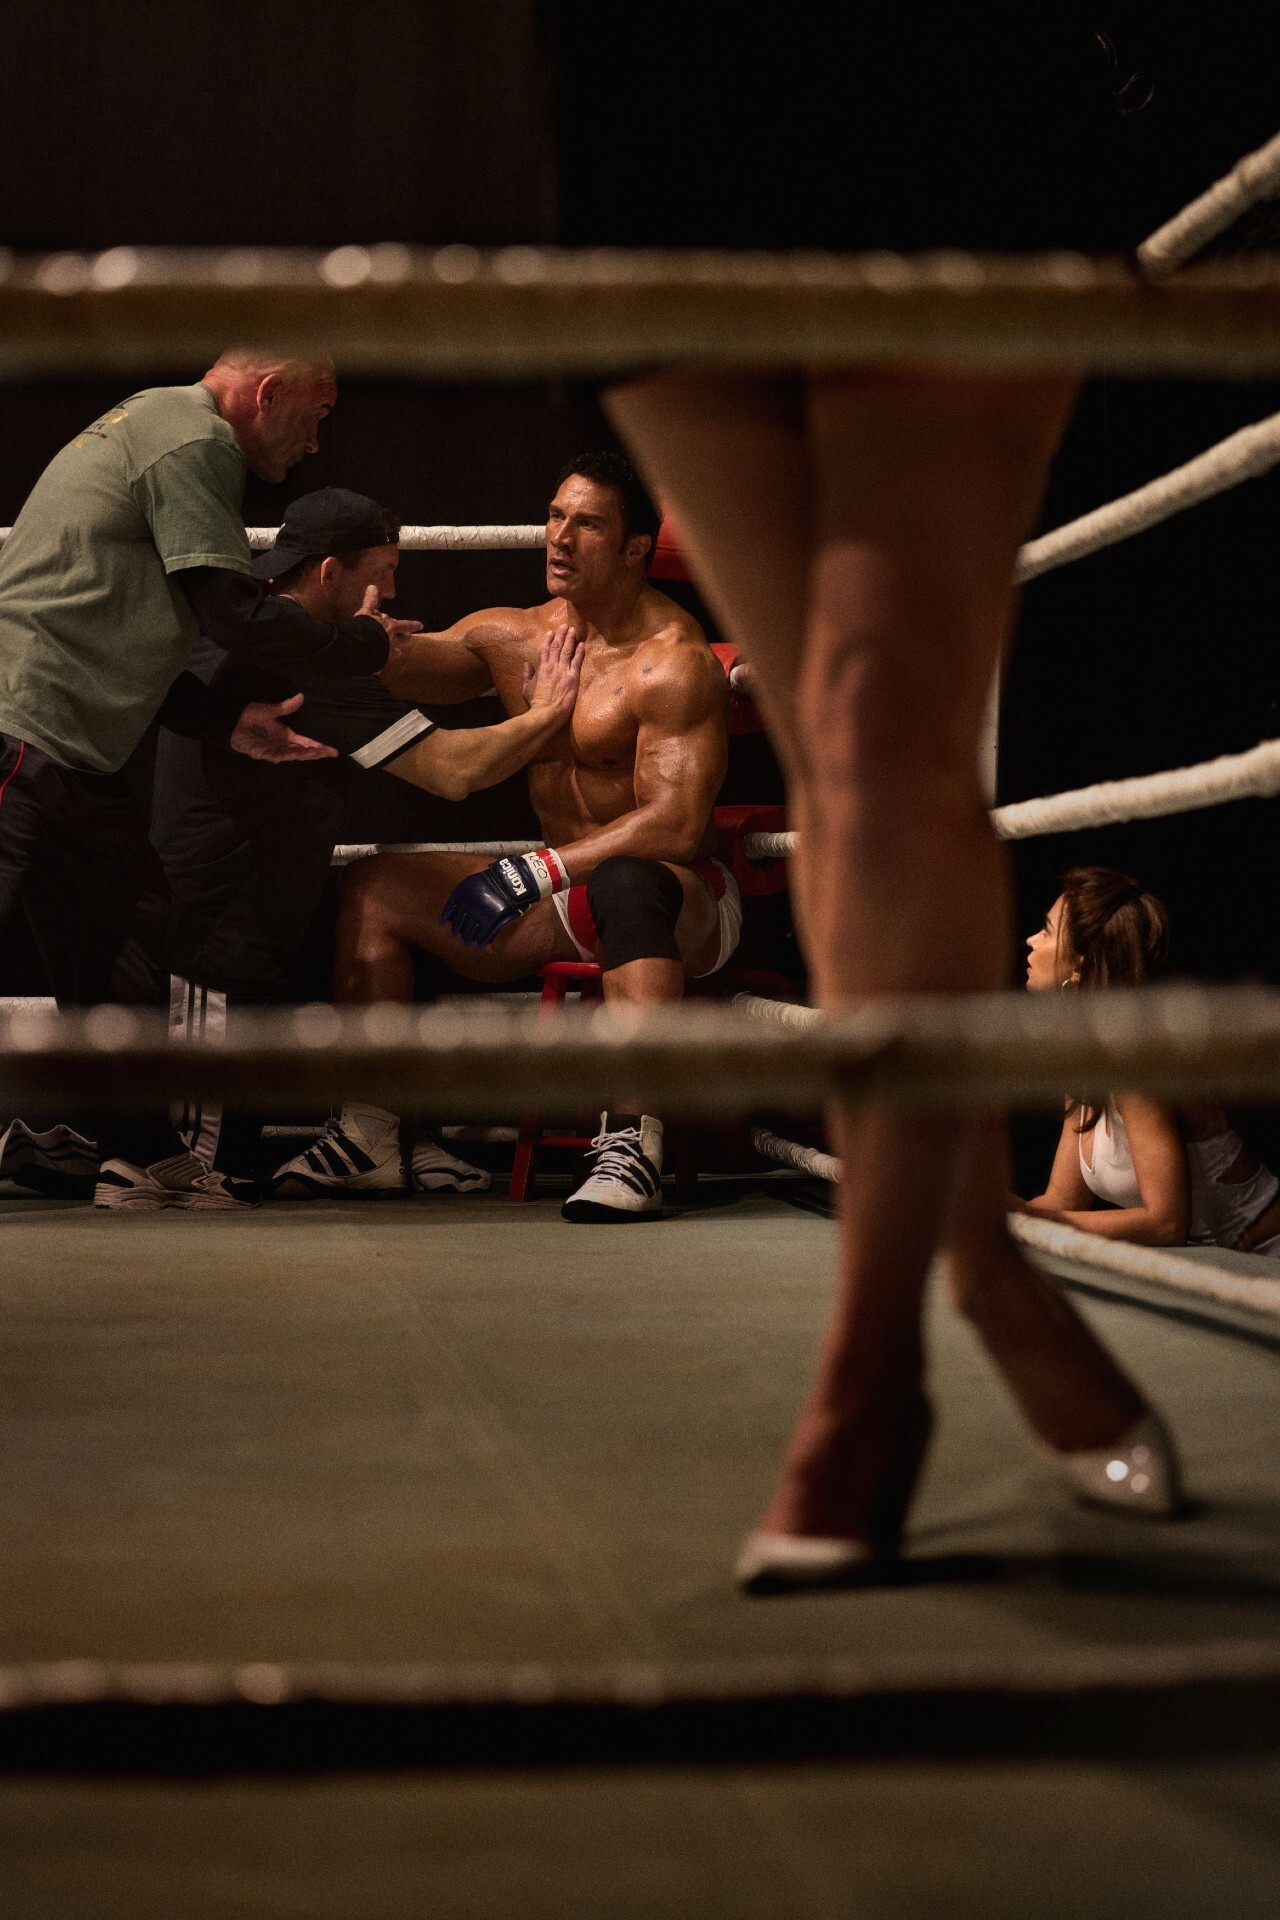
(624,1181)
(60,1162)
(359,1152)
(182,1181)
(433,1169)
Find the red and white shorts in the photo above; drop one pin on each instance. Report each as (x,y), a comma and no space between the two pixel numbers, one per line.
(577,920)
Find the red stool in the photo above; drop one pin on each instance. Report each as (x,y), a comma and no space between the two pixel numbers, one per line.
(557,977)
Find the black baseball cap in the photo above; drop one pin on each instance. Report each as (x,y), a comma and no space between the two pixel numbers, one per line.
(331,520)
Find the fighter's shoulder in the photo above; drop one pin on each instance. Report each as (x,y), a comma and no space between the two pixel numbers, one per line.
(667,624)
(674,663)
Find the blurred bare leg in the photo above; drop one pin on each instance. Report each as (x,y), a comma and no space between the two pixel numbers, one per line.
(1070,1390)
(906,498)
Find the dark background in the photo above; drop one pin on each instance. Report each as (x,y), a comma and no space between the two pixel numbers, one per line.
(319,124)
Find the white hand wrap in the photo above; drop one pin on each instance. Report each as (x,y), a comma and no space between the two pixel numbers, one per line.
(548,872)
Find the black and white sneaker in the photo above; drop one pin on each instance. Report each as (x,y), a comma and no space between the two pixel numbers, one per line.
(433,1169)
(182,1181)
(59,1162)
(357,1153)
(624,1181)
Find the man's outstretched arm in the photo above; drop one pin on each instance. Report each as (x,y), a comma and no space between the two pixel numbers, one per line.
(359,718)
(443,668)
(456,762)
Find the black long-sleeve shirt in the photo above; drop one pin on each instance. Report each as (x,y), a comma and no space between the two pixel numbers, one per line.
(264,630)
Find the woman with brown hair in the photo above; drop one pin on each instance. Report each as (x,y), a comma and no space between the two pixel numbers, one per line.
(1170,1175)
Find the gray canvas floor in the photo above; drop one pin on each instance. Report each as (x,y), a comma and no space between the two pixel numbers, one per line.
(455,1432)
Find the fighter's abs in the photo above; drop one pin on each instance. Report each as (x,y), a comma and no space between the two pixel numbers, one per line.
(570,799)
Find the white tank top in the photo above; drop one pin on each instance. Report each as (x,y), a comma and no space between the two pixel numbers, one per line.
(1220,1211)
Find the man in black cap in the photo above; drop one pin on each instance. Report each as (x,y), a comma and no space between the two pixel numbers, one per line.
(247,846)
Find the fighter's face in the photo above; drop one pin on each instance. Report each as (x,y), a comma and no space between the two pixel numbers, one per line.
(287,427)
(588,553)
(344,587)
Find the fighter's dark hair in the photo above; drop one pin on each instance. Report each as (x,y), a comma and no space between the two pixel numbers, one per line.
(608,469)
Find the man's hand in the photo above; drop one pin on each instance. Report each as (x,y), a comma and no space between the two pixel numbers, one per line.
(261,733)
(553,682)
(397,631)
(482,904)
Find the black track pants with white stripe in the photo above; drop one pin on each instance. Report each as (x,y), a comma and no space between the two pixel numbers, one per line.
(227,1141)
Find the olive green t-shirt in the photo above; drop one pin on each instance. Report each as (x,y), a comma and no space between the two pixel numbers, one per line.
(92,629)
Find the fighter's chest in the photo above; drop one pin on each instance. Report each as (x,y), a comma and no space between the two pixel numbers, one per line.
(603,730)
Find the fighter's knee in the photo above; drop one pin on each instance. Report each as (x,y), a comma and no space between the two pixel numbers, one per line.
(624,876)
(352,917)
(359,888)
(635,904)
(373,946)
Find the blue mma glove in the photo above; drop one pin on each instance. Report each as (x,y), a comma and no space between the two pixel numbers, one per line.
(482,904)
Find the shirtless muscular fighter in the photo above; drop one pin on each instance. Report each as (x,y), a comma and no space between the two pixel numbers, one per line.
(623,794)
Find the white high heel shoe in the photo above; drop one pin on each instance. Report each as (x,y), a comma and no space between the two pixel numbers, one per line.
(1138,1474)
(790,1562)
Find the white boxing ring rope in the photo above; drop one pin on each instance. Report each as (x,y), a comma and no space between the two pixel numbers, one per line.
(982,1050)
(525,312)
(1254,775)
(461,539)
(489,849)
(790,1153)
(1166,1266)
(758,1054)
(1244,455)
(1251,180)
(1161,1265)
(479,539)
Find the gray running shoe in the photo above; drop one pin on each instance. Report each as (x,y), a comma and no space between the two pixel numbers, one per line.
(182,1181)
(59,1162)
(433,1169)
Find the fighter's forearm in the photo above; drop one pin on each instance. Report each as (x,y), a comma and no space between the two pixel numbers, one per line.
(651,832)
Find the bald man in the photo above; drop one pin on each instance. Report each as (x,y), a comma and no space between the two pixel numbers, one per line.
(131,544)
